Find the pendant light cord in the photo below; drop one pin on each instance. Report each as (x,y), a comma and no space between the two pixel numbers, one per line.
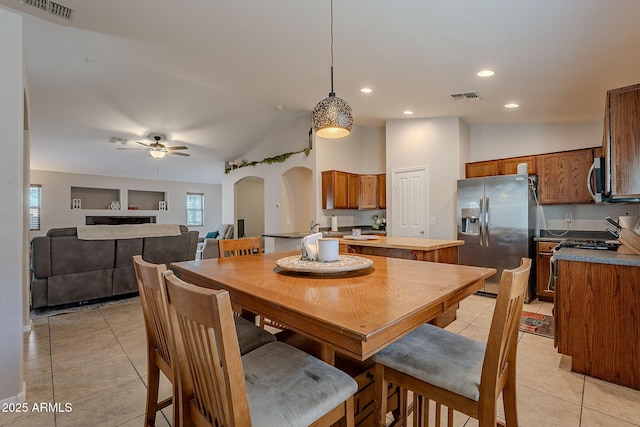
(332,92)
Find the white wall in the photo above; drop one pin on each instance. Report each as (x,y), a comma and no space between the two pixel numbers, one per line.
(56,199)
(12,230)
(438,143)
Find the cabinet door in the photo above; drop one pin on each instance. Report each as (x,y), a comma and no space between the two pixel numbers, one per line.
(543,272)
(382,191)
(480,169)
(334,190)
(368,192)
(563,176)
(510,166)
(353,190)
(624,138)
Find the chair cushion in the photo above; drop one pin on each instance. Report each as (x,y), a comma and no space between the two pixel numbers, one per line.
(211,235)
(251,336)
(438,357)
(287,387)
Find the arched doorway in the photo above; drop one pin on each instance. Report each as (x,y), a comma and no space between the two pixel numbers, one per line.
(297,199)
(249,206)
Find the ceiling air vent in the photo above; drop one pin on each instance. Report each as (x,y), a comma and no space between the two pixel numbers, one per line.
(52,8)
(465,96)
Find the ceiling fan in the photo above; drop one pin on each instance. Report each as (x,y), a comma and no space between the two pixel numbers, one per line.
(156,149)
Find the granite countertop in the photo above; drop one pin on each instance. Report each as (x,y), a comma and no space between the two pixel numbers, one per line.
(342,231)
(596,256)
(559,235)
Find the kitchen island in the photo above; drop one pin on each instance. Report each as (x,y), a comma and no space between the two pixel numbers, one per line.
(445,251)
(597,313)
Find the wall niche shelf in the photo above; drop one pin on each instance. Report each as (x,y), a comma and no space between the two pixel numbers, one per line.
(93,198)
(145,200)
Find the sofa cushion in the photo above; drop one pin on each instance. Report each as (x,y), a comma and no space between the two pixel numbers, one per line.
(124,280)
(164,250)
(211,235)
(41,257)
(70,255)
(79,287)
(125,250)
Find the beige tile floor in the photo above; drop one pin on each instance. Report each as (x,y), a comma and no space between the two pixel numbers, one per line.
(95,360)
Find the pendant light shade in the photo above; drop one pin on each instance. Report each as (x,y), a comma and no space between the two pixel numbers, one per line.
(332,117)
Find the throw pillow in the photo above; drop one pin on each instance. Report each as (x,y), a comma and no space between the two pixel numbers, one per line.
(212,235)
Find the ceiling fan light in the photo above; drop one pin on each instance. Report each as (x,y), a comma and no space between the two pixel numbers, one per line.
(332,117)
(157,154)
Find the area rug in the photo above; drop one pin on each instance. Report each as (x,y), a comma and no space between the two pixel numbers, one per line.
(40,313)
(535,323)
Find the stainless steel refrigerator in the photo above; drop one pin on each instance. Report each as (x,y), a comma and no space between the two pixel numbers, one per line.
(497,221)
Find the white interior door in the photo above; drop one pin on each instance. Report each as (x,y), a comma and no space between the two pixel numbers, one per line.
(409,209)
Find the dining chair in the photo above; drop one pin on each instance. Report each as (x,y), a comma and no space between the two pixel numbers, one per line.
(243,247)
(240,247)
(462,374)
(149,278)
(274,385)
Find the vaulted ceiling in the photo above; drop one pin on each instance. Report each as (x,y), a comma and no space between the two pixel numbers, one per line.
(218,76)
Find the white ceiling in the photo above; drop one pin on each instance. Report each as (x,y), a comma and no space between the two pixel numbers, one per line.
(209,74)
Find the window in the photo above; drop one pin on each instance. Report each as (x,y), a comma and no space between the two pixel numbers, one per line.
(195,209)
(34,207)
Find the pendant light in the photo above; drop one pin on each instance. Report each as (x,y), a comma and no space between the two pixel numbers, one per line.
(332,117)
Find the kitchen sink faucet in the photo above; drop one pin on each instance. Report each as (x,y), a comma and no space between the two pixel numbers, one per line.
(312,226)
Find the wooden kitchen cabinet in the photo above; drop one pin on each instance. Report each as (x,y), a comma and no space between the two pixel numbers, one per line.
(622,135)
(543,268)
(368,192)
(344,190)
(353,191)
(382,191)
(335,190)
(480,169)
(597,320)
(563,176)
(510,166)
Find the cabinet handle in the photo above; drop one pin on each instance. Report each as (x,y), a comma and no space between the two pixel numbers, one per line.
(370,376)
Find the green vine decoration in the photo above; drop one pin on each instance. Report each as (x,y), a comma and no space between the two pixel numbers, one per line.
(269,160)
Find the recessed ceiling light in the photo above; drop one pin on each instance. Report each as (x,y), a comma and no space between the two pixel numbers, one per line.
(511,105)
(486,73)
(407,112)
(366,90)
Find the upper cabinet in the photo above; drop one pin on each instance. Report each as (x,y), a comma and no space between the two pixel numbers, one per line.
(563,176)
(622,140)
(499,167)
(343,190)
(382,191)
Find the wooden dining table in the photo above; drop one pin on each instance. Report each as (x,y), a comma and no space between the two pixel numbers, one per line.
(356,313)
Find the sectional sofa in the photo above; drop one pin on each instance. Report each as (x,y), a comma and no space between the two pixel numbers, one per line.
(68,270)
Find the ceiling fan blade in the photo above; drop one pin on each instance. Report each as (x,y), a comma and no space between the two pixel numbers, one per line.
(178,153)
(135,149)
(180,147)
(142,143)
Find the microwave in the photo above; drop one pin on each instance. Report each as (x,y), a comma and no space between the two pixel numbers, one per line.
(599,184)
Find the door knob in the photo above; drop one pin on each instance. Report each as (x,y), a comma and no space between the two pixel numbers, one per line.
(421,231)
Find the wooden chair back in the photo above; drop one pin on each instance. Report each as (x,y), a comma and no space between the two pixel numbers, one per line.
(149,278)
(499,362)
(240,247)
(207,354)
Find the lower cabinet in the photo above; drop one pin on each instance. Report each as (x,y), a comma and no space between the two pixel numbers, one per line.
(597,320)
(543,270)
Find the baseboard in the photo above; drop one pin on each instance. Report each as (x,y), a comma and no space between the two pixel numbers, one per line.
(19,398)
(28,327)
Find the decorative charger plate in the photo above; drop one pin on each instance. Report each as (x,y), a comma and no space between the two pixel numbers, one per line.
(361,237)
(344,263)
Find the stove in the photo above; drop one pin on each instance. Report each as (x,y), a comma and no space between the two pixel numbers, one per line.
(610,245)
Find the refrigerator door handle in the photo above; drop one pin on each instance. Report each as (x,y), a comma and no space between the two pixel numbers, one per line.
(486,221)
(481,219)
